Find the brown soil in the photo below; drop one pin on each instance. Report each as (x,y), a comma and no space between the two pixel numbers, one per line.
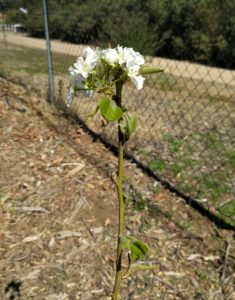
(59,215)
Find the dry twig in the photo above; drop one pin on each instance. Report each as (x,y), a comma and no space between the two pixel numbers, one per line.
(226,257)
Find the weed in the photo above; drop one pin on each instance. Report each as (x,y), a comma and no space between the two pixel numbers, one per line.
(213,142)
(187,162)
(157,189)
(139,204)
(157,165)
(228,211)
(199,175)
(213,185)
(230,155)
(176,168)
(174,142)
(186,187)
(202,275)
(156,212)
(136,201)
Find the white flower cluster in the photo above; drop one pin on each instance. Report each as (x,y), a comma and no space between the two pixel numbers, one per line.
(130,59)
(85,66)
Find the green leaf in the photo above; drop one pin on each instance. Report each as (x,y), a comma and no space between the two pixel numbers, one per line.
(92,113)
(138,250)
(125,243)
(122,126)
(145,267)
(126,196)
(110,110)
(150,70)
(128,125)
(131,125)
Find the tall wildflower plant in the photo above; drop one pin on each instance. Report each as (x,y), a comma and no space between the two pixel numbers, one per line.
(105,71)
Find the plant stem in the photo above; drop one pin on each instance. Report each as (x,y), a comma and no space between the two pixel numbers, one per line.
(118,272)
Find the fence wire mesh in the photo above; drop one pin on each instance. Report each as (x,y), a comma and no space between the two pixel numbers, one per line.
(186,118)
(186,126)
(186,129)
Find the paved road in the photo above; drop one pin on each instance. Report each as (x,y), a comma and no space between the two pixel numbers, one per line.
(177,68)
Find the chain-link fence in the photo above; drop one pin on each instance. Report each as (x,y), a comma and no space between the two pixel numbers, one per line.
(186,129)
(186,132)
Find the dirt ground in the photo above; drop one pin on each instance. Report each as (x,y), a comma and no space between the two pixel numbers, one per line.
(59,215)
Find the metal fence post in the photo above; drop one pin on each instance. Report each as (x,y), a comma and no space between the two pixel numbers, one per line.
(49,59)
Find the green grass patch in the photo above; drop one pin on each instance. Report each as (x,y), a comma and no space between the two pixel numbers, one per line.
(218,98)
(136,201)
(20,59)
(157,189)
(230,156)
(227,211)
(139,205)
(163,82)
(16,59)
(157,165)
(213,185)
(186,187)
(199,165)
(213,142)
(173,142)
(202,275)
(61,62)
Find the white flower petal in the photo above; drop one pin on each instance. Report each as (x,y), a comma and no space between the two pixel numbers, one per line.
(111,56)
(121,55)
(128,55)
(70,97)
(85,67)
(77,80)
(79,64)
(138,81)
(139,59)
(132,68)
(88,52)
(91,57)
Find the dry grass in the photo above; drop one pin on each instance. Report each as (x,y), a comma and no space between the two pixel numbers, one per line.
(186,126)
(58,218)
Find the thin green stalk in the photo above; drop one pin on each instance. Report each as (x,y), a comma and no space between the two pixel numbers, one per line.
(118,274)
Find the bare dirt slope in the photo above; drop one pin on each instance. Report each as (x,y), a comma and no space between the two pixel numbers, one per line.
(58,217)
(174,67)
